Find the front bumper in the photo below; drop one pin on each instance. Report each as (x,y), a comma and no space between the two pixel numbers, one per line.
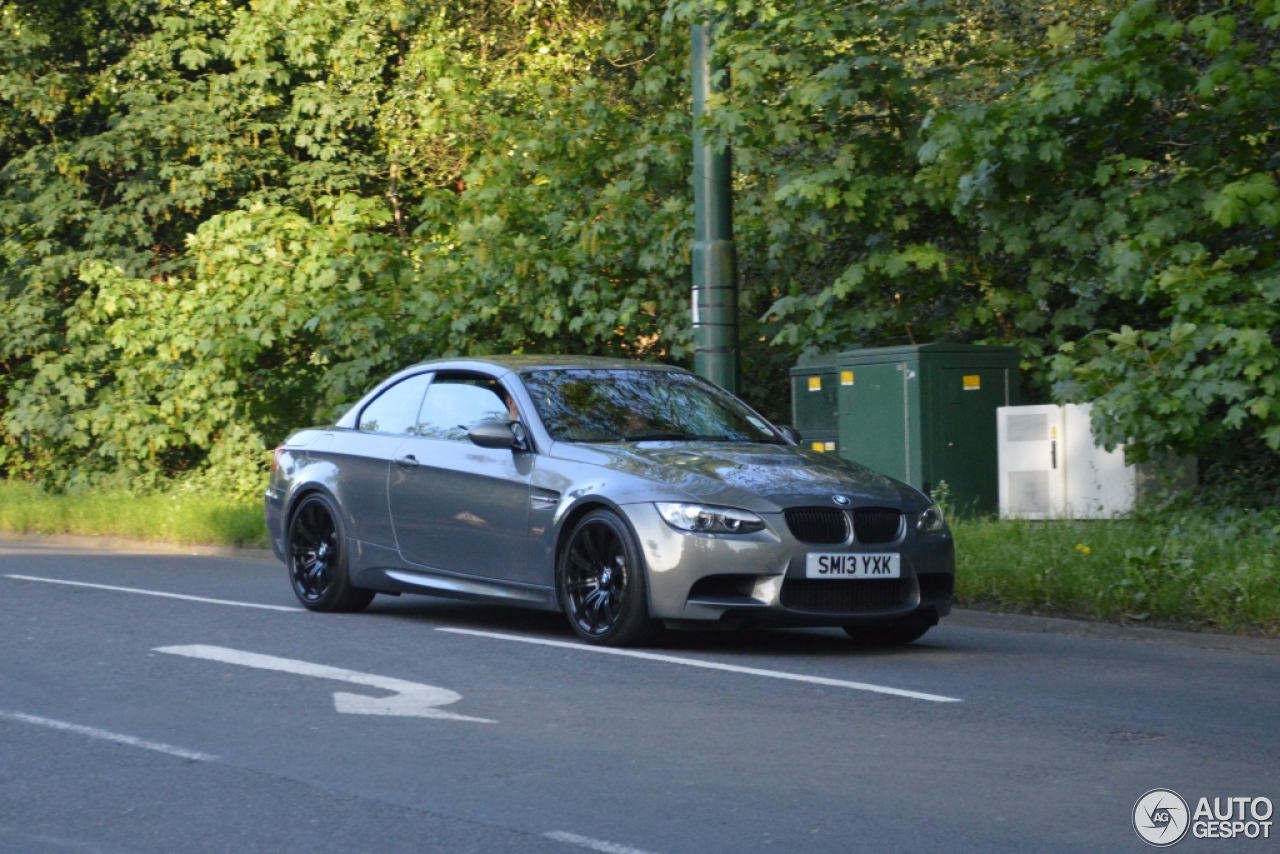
(760,577)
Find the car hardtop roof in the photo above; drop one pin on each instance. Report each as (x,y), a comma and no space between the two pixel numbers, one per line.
(526,363)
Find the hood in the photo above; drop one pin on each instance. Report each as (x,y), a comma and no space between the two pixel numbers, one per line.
(784,475)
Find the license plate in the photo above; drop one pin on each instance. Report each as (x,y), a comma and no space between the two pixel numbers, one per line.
(880,565)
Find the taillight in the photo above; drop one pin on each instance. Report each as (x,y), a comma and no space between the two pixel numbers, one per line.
(275,458)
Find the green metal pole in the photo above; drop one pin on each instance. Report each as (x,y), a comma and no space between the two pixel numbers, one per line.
(715,269)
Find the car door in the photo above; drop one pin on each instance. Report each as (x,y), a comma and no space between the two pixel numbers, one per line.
(454,505)
(364,455)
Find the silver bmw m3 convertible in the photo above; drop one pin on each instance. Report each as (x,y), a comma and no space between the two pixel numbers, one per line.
(626,495)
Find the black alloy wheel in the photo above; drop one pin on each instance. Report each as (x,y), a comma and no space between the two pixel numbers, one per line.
(602,582)
(317,564)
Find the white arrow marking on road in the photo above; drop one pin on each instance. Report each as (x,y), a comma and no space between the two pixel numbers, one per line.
(411,699)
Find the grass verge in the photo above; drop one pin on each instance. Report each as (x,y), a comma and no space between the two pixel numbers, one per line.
(186,518)
(1195,569)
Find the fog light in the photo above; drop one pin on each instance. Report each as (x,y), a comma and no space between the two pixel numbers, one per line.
(766,589)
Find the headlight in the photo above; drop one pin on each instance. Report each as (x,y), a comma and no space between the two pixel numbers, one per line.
(710,520)
(930,521)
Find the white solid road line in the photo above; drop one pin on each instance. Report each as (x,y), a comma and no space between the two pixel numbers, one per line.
(104,735)
(713,665)
(592,844)
(154,593)
(411,699)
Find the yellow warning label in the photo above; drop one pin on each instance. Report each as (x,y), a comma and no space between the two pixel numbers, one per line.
(817,446)
(815,383)
(846,378)
(972,382)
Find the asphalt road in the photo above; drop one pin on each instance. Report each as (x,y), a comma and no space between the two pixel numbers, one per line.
(144,723)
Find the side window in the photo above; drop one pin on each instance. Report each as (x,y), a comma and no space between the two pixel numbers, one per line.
(457,402)
(396,409)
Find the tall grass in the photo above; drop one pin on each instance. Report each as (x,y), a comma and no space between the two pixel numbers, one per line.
(1188,567)
(185,518)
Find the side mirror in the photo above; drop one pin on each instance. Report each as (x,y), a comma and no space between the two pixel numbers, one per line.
(791,434)
(494,434)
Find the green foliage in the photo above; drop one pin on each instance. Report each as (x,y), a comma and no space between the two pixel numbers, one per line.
(162,214)
(824,112)
(221,219)
(563,223)
(831,111)
(242,214)
(1127,192)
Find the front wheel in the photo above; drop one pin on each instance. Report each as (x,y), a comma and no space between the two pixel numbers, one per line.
(318,562)
(602,582)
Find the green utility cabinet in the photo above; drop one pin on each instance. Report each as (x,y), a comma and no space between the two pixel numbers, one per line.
(823,442)
(927,413)
(815,408)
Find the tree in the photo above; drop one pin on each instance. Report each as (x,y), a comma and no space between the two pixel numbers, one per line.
(221,220)
(1127,194)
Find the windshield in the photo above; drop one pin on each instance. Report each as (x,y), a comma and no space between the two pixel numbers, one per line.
(578,405)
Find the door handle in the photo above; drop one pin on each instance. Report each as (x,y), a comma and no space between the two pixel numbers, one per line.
(1053,453)
(407,462)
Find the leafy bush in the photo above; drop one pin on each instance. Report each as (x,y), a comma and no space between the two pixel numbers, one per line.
(1126,194)
(221,219)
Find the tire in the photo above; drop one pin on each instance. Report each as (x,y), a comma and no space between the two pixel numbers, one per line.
(897,633)
(317,559)
(601,582)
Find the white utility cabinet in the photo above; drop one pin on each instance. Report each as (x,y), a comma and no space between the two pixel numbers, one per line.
(1050,467)
(1099,484)
(1029,445)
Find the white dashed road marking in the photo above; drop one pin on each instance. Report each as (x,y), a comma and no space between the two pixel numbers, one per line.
(592,844)
(104,735)
(713,665)
(153,593)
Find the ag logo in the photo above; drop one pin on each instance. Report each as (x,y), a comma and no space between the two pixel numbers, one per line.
(1160,817)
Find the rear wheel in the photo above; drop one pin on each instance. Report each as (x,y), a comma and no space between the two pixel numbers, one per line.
(318,562)
(896,633)
(602,582)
